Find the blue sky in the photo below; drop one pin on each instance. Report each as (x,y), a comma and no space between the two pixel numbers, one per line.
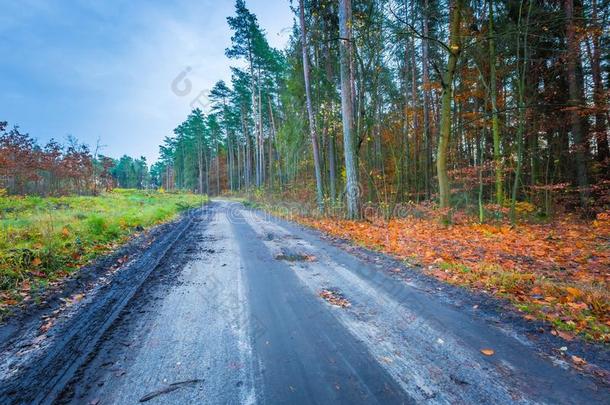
(104,68)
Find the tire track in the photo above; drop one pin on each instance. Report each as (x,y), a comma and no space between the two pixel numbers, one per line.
(45,373)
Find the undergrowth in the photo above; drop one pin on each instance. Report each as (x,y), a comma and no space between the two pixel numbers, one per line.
(43,239)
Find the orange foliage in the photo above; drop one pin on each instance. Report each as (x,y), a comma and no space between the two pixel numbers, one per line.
(558,272)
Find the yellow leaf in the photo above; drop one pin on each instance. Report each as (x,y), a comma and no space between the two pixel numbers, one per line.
(574,292)
(488,352)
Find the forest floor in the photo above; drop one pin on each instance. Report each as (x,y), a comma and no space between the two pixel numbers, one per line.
(557,272)
(43,240)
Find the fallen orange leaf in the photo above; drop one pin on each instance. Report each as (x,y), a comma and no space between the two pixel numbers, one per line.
(488,352)
(565,335)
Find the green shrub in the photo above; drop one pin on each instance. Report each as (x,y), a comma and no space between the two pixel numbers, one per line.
(96,225)
(161,213)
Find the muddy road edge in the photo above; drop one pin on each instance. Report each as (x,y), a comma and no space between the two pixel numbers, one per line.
(46,366)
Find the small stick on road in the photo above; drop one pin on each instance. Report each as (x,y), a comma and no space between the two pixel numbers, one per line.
(168,389)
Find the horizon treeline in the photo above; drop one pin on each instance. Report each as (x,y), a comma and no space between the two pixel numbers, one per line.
(478,104)
(26,167)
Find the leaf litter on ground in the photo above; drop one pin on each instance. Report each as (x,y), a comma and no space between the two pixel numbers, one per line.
(556,272)
(335,297)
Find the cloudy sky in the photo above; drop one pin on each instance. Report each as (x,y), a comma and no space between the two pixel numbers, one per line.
(117,70)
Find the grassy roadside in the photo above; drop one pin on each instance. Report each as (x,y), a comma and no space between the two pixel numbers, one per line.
(43,239)
(556,272)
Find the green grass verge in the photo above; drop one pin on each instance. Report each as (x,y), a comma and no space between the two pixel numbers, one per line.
(42,239)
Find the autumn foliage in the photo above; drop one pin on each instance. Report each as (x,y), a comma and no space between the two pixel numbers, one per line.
(28,168)
(557,272)
(55,169)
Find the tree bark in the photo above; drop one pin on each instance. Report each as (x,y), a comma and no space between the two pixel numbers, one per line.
(345,56)
(446,98)
(414,106)
(522,69)
(493,90)
(576,102)
(599,98)
(217,168)
(426,100)
(312,126)
(332,178)
(271,141)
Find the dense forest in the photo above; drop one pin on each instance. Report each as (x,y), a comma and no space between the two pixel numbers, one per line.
(55,169)
(482,105)
(475,104)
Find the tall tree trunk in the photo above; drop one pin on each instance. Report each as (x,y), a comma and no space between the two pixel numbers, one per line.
(247,154)
(493,90)
(228,164)
(271,142)
(345,55)
(426,104)
(331,166)
(447,95)
(522,69)
(599,97)
(253,85)
(239,167)
(312,126)
(217,168)
(415,108)
(332,179)
(480,158)
(261,151)
(200,163)
(576,103)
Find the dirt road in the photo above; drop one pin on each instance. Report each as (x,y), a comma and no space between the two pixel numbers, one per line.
(233,306)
